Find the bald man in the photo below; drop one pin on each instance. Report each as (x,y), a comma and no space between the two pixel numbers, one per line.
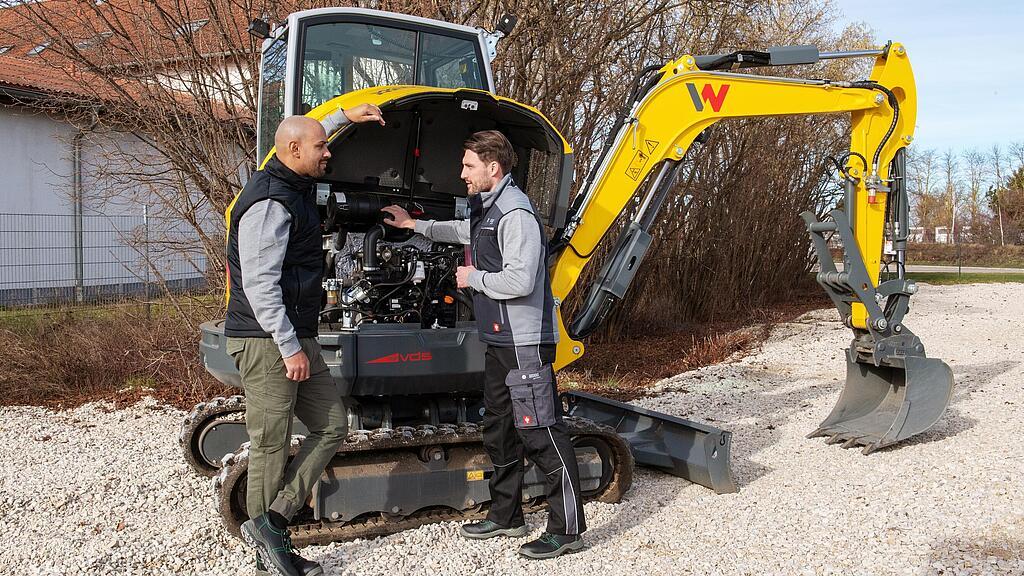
(275,268)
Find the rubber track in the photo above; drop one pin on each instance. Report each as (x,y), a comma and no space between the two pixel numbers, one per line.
(382,440)
(198,419)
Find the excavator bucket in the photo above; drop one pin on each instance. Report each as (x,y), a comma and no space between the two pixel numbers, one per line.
(881,405)
(690,450)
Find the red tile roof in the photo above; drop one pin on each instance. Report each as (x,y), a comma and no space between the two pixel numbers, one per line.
(139,27)
(37,76)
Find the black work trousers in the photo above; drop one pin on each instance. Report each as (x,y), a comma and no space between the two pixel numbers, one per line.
(548,447)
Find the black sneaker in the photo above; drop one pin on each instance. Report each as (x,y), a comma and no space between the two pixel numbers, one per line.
(487,529)
(305,567)
(273,545)
(551,545)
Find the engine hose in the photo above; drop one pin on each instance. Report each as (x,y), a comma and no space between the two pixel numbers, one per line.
(373,236)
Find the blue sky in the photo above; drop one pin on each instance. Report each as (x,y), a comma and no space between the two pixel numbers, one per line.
(968,64)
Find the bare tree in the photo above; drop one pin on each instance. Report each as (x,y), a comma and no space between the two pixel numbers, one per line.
(922,167)
(976,166)
(951,189)
(997,159)
(1017,153)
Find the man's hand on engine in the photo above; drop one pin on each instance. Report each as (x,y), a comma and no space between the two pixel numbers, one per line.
(399,217)
(365,113)
(462,275)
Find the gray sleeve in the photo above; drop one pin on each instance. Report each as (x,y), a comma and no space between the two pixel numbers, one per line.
(334,121)
(449,232)
(521,253)
(262,241)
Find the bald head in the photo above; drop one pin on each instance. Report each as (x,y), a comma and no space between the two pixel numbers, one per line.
(302,145)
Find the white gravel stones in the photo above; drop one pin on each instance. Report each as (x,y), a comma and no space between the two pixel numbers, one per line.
(99,491)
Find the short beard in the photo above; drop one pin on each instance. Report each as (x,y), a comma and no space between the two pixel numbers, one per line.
(478,187)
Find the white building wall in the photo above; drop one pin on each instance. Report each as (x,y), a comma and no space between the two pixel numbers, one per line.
(35,166)
(37,255)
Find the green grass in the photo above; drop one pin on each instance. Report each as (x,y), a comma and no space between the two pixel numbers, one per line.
(21,318)
(966,264)
(965,278)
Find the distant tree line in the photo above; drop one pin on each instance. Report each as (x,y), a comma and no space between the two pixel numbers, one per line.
(978,196)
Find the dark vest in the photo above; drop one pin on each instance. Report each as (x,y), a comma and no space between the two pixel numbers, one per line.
(302,270)
(522,321)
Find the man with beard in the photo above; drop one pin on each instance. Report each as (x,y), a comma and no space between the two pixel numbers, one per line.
(515,315)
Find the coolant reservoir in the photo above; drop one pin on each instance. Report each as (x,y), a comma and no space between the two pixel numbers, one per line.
(420,274)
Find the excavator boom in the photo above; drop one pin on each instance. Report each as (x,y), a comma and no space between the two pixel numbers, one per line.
(892,390)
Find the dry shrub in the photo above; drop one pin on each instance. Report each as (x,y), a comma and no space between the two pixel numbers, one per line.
(626,368)
(65,359)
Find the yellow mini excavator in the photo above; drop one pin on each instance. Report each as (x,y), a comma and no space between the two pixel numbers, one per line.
(398,335)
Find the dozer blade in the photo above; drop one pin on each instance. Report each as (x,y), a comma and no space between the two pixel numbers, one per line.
(881,405)
(693,451)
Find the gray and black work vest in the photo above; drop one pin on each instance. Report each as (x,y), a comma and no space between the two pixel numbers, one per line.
(523,321)
(302,269)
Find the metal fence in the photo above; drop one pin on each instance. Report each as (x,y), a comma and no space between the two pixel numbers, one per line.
(51,260)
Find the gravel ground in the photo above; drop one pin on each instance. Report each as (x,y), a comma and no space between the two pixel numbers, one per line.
(102,491)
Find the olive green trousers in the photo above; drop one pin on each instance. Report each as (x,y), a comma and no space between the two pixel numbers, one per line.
(271,400)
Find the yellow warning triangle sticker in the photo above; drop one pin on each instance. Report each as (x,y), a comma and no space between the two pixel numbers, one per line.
(651,145)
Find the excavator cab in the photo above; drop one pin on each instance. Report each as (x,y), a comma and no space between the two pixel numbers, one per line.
(318,55)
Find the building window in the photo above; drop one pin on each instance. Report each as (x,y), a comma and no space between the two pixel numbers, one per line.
(38,49)
(190,27)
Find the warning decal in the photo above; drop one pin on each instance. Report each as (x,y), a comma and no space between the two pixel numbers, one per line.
(472,475)
(637,165)
(651,145)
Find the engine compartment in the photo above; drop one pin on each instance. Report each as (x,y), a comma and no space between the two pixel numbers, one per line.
(377,274)
(406,281)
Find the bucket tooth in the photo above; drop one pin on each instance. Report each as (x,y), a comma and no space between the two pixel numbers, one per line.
(853,442)
(818,433)
(835,438)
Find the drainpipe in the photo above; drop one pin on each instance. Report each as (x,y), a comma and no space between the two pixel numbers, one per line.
(77,200)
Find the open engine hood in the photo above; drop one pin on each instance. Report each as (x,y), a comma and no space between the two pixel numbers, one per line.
(418,154)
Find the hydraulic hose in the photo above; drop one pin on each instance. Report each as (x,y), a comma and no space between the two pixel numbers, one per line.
(870,85)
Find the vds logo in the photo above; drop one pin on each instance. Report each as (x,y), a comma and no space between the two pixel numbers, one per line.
(399,357)
(707,95)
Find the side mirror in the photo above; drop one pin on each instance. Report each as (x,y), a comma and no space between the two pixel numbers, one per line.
(259,28)
(503,29)
(507,24)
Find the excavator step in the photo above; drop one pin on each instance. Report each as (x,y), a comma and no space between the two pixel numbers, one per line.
(690,450)
(881,405)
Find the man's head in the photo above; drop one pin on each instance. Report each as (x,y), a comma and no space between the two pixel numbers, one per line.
(302,146)
(488,157)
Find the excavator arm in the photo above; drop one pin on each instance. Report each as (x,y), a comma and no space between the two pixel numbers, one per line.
(668,110)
